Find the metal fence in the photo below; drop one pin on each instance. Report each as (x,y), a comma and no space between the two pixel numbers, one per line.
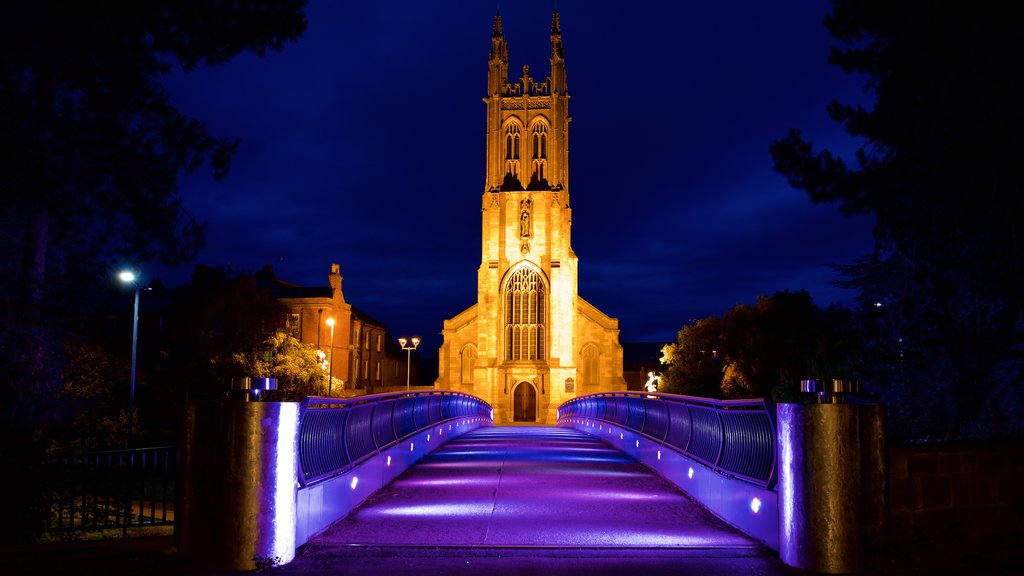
(110,490)
(337,433)
(733,437)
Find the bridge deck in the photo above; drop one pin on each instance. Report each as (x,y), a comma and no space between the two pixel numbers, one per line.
(531,486)
(541,499)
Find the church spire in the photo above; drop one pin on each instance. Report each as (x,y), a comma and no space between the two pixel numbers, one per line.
(557,56)
(497,64)
(499,50)
(556,36)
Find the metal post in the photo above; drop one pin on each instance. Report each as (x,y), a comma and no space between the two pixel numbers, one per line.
(330,361)
(415,341)
(135,344)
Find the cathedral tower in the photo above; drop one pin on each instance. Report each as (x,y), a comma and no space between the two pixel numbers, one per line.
(530,342)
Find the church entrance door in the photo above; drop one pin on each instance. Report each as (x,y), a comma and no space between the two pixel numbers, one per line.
(524,403)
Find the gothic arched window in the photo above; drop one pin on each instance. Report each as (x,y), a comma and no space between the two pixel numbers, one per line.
(468,362)
(525,308)
(589,374)
(540,152)
(540,140)
(513,133)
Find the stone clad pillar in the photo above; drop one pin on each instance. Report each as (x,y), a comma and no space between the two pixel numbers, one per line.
(831,475)
(238,470)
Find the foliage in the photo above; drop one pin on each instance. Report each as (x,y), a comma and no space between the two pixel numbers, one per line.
(937,170)
(763,350)
(695,366)
(91,153)
(298,367)
(214,318)
(94,396)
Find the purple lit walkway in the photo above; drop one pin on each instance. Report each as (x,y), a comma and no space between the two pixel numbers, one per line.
(531,500)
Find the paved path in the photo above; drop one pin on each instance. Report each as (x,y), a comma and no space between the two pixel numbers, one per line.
(530,500)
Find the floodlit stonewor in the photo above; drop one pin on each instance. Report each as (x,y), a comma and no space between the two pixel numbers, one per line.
(530,342)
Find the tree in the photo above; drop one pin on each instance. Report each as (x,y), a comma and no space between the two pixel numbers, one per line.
(92,147)
(695,362)
(936,168)
(89,160)
(298,366)
(764,350)
(215,318)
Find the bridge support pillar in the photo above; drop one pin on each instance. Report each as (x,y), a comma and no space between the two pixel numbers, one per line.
(236,496)
(831,483)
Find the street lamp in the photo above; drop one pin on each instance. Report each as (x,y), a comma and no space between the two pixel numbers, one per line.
(330,359)
(408,356)
(128,277)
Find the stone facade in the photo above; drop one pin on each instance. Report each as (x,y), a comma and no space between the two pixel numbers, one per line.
(530,342)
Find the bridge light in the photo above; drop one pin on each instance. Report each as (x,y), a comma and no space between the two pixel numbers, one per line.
(637,443)
(389,460)
(659,454)
(355,482)
(428,437)
(620,436)
(411,444)
(755,505)
(689,473)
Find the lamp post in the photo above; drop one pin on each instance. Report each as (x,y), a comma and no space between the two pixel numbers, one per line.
(128,277)
(330,359)
(408,356)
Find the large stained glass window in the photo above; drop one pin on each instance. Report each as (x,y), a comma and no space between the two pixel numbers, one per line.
(525,309)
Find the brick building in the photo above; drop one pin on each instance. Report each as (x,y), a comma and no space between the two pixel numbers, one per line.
(363,355)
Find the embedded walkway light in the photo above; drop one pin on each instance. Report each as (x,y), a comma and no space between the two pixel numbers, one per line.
(330,360)
(408,356)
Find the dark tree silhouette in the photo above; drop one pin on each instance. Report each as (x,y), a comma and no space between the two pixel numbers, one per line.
(92,147)
(938,169)
(90,156)
(764,350)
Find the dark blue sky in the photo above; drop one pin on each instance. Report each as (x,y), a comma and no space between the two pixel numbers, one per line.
(363,144)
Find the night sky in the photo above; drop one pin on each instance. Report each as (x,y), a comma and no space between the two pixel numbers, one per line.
(363,144)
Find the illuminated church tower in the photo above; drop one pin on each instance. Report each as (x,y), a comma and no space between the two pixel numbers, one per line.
(530,342)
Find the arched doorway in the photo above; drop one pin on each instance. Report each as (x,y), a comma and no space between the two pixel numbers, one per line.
(524,403)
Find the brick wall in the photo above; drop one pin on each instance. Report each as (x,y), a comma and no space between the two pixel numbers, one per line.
(964,493)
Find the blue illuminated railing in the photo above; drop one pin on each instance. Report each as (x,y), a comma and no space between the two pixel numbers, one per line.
(337,433)
(733,437)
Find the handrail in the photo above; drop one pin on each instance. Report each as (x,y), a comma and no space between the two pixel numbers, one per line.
(338,433)
(732,437)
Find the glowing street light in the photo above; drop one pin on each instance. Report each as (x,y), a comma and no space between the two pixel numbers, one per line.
(330,360)
(408,356)
(128,277)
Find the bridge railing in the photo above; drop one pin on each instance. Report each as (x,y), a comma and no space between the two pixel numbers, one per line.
(733,437)
(336,434)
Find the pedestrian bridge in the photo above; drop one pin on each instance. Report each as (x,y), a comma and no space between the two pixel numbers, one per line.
(621,470)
